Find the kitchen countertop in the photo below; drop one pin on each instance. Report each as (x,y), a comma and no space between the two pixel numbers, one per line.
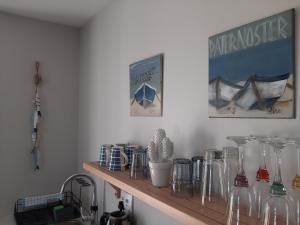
(8,220)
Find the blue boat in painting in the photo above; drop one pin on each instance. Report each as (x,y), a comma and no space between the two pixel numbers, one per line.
(221,92)
(256,91)
(259,90)
(145,94)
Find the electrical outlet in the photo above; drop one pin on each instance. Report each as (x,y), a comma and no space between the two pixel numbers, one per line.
(127,200)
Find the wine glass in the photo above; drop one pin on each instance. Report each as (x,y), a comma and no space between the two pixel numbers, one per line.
(295,190)
(261,185)
(277,207)
(230,161)
(240,208)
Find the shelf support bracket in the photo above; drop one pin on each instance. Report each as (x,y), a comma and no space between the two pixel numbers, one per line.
(117,191)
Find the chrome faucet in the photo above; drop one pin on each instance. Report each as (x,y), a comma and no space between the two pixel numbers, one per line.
(94,206)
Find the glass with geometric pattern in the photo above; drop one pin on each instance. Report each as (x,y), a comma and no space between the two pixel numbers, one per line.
(295,190)
(277,208)
(261,185)
(240,207)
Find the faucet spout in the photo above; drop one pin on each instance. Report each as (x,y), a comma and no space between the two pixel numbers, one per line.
(94,205)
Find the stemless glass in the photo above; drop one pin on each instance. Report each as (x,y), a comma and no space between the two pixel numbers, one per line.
(212,187)
(240,208)
(197,162)
(181,185)
(138,165)
(261,185)
(277,207)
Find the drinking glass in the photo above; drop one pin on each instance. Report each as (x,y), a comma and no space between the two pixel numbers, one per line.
(240,208)
(138,165)
(230,160)
(295,190)
(181,185)
(197,162)
(296,186)
(277,207)
(212,188)
(261,185)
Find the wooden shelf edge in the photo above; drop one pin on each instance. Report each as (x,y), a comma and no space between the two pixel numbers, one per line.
(148,199)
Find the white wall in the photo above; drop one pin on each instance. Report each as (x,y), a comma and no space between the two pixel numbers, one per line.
(129,30)
(22,41)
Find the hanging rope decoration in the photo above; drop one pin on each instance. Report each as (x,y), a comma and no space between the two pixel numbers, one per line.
(36,116)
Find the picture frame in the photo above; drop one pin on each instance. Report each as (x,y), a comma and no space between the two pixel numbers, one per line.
(146,86)
(252,69)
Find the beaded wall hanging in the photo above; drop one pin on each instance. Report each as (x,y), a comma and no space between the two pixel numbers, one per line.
(36,117)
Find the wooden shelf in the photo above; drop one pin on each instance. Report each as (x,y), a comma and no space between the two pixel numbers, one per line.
(186,211)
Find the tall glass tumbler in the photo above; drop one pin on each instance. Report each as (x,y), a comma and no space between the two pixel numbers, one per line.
(212,187)
(181,185)
(197,173)
(138,165)
(147,169)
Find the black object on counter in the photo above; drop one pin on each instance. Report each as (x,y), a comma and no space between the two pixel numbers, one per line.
(66,213)
(117,217)
(46,214)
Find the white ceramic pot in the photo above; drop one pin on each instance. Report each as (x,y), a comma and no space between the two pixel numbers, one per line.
(160,173)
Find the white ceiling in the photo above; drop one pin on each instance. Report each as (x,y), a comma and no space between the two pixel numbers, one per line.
(69,12)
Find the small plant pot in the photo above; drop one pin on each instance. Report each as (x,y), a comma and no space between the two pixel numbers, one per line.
(160,173)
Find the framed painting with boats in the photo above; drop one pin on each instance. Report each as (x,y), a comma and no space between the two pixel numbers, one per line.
(251,69)
(146,92)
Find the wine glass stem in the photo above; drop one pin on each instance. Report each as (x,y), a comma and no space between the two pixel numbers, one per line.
(241,179)
(296,180)
(277,187)
(262,174)
(241,160)
(298,163)
(262,162)
(277,177)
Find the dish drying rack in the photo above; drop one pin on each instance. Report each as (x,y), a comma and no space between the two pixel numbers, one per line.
(52,208)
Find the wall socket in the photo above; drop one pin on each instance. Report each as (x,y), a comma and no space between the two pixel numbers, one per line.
(127,200)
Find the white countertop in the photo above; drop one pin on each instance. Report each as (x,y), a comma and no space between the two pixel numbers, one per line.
(8,220)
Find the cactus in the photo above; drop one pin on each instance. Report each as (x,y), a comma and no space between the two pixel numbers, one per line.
(153,156)
(160,148)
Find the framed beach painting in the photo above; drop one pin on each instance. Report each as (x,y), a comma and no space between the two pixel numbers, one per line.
(251,69)
(146,92)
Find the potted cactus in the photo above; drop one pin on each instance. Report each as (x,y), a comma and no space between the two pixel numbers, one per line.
(160,150)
